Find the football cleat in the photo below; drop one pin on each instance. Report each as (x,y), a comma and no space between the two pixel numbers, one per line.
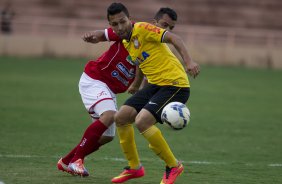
(77,168)
(128,174)
(171,174)
(63,167)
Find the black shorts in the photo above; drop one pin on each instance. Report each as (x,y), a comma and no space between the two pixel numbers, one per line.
(154,98)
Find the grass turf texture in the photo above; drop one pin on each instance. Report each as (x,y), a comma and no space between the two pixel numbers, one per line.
(234,135)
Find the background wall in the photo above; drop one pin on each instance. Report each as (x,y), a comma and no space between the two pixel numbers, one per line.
(221,32)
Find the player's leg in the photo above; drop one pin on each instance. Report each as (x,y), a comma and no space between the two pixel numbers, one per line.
(104,139)
(124,118)
(145,123)
(158,144)
(125,130)
(64,161)
(151,114)
(109,134)
(90,141)
(99,100)
(88,147)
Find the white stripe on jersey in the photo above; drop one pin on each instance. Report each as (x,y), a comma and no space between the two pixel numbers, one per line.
(162,39)
(107,34)
(112,57)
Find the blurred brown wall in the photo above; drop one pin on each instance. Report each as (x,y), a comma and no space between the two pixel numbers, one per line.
(212,54)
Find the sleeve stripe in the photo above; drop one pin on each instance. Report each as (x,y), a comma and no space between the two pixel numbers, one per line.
(107,34)
(162,38)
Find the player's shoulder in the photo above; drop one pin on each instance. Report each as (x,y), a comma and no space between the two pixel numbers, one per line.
(143,25)
(111,35)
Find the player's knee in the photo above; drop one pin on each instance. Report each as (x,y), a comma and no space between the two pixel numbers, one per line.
(140,125)
(144,120)
(105,139)
(125,116)
(107,118)
(119,119)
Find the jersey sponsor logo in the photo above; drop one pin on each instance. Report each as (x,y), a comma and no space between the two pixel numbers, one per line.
(128,73)
(150,27)
(136,43)
(132,62)
(145,55)
(129,59)
(138,60)
(122,80)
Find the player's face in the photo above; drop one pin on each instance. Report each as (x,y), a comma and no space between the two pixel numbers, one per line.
(121,24)
(165,22)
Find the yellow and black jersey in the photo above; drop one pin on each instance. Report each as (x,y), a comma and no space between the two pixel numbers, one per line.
(154,58)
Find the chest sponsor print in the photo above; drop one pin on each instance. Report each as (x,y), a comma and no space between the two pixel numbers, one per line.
(116,75)
(128,73)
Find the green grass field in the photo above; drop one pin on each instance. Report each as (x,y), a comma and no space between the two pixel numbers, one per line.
(235,133)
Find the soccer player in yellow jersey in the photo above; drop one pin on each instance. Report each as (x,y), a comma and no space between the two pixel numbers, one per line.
(167,82)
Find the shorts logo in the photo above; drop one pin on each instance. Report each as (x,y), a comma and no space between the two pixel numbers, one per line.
(102,93)
(152,103)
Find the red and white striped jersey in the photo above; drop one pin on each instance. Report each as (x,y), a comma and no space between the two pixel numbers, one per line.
(112,66)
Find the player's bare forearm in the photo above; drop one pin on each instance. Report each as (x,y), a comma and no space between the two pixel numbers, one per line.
(192,68)
(144,83)
(134,87)
(94,36)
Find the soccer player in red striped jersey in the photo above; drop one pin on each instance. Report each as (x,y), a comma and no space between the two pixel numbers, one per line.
(101,80)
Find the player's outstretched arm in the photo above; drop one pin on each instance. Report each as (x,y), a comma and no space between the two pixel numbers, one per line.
(95,36)
(192,68)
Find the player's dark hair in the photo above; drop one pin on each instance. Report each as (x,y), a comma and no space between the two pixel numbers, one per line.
(116,8)
(170,12)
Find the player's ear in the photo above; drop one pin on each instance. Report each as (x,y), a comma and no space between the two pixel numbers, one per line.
(154,21)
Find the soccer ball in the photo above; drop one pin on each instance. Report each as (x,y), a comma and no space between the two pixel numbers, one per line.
(176,115)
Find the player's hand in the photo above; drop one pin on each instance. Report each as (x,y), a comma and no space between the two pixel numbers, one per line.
(90,37)
(193,69)
(132,89)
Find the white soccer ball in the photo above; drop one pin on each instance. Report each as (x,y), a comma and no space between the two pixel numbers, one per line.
(176,115)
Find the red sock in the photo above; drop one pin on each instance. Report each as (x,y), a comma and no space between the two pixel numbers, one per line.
(66,160)
(89,141)
(69,156)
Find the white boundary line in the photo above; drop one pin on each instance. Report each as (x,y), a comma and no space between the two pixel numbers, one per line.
(144,159)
